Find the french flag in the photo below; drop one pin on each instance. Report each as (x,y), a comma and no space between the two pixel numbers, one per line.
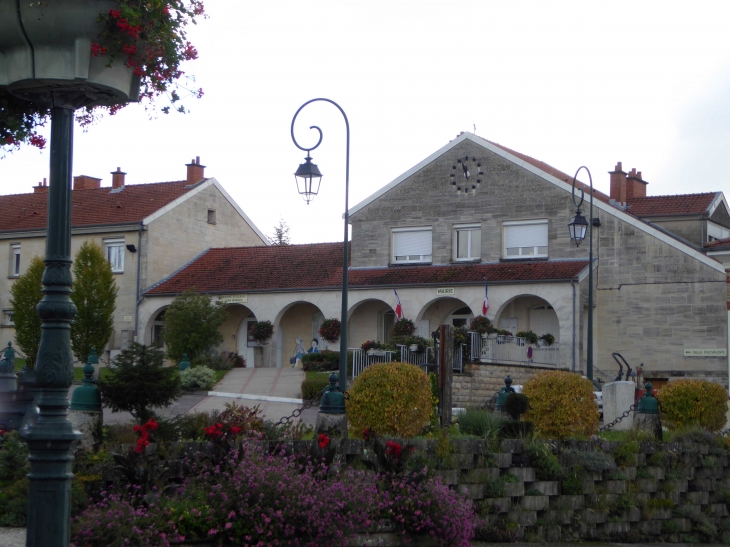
(485,305)
(398,308)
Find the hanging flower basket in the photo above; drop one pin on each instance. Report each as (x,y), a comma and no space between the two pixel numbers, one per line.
(88,53)
(330,330)
(261,331)
(403,327)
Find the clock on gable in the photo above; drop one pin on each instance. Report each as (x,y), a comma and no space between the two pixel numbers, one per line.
(466,174)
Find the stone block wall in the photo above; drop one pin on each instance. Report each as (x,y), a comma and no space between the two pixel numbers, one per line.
(480,381)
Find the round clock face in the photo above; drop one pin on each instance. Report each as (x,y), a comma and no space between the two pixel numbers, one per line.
(466,174)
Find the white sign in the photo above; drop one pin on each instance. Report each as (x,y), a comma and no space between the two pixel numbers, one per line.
(443,292)
(705,353)
(233,299)
(127,318)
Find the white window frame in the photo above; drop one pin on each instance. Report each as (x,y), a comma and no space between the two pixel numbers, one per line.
(15,260)
(109,243)
(8,318)
(528,252)
(715,231)
(418,258)
(474,254)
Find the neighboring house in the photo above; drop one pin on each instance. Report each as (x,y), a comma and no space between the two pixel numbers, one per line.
(148,231)
(474,213)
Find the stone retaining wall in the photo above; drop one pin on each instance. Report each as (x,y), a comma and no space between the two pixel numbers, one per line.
(648,499)
(479,381)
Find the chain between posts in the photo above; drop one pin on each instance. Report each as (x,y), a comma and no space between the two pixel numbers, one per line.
(624,415)
(284,420)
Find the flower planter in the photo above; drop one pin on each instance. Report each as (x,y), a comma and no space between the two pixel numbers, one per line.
(413,348)
(45,46)
(376,352)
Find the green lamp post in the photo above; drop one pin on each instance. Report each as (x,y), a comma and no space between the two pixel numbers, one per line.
(184,364)
(333,398)
(648,404)
(504,393)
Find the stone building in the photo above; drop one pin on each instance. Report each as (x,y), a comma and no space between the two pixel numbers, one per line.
(147,230)
(476,213)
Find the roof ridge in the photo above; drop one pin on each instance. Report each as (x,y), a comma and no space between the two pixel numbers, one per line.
(675,195)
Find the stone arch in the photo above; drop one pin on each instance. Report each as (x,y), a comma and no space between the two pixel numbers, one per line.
(436,311)
(368,320)
(528,312)
(154,327)
(297,319)
(236,316)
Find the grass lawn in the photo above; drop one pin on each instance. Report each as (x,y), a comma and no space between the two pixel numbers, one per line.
(219,374)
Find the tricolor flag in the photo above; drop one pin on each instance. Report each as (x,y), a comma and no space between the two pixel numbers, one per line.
(398,308)
(485,305)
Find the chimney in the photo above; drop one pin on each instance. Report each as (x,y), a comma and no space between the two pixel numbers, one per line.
(42,187)
(635,186)
(196,172)
(85,182)
(118,178)
(618,184)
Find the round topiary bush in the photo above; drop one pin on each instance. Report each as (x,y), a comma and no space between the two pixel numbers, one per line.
(561,404)
(686,403)
(390,398)
(197,378)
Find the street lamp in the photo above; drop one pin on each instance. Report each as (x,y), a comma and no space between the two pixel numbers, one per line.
(307,176)
(577,228)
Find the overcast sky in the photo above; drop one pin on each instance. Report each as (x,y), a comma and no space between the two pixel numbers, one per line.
(570,83)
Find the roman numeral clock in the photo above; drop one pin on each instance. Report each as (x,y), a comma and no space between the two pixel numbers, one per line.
(466,174)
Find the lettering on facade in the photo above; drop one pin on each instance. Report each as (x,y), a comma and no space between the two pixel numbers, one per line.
(127,318)
(233,299)
(705,352)
(443,292)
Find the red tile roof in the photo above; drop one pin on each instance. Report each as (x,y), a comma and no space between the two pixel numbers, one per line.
(682,204)
(718,243)
(319,266)
(91,207)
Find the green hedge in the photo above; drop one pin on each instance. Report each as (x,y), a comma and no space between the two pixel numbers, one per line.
(325,361)
(313,385)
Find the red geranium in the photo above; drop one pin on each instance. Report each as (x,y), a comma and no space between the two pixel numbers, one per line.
(323,440)
(144,434)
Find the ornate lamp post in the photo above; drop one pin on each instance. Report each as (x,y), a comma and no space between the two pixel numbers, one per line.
(308,178)
(577,228)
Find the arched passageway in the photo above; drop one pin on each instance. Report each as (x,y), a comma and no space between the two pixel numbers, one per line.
(445,310)
(370,320)
(528,312)
(300,320)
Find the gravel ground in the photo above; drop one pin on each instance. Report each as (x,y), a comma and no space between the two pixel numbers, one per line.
(12,537)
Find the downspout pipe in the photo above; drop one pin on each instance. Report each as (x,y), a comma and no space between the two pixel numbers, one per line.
(139,269)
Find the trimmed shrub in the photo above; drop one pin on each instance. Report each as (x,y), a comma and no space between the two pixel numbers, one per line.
(197,378)
(213,362)
(516,404)
(391,398)
(313,385)
(686,403)
(325,360)
(561,404)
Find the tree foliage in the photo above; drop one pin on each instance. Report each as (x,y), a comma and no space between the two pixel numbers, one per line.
(26,293)
(138,382)
(281,234)
(94,292)
(192,324)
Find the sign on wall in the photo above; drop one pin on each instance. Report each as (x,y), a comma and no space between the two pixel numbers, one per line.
(445,292)
(705,352)
(233,299)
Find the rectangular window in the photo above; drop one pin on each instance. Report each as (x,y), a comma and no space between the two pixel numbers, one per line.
(412,245)
(15,260)
(8,318)
(211,216)
(468,242)
(115,254)
(525,239)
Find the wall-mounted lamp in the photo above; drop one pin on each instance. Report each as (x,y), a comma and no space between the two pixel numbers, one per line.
(131,248)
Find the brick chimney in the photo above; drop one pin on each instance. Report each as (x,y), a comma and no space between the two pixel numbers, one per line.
(618,184)
(118,178)
(196,172)
(42,187)
(85,182)
(635,186)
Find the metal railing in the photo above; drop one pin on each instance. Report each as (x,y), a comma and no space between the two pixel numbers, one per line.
(362,359)
(420,358)
(511,349)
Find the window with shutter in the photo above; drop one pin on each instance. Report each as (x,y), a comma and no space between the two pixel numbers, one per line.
(523,239)
(412,245)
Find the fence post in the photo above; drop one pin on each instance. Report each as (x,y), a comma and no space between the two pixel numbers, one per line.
(446,364)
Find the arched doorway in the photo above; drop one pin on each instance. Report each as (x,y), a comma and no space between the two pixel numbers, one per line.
(235,332)
(370,320)
(300,320)
(156,329)
(446,310)
(528,312)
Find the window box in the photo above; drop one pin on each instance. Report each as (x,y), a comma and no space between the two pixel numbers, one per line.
(525,239)
(412,245)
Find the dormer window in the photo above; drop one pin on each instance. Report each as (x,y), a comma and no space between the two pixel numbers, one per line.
(412,245)
(525,239)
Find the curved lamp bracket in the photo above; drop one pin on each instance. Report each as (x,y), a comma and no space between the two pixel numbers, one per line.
(294,119)
(582,192)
